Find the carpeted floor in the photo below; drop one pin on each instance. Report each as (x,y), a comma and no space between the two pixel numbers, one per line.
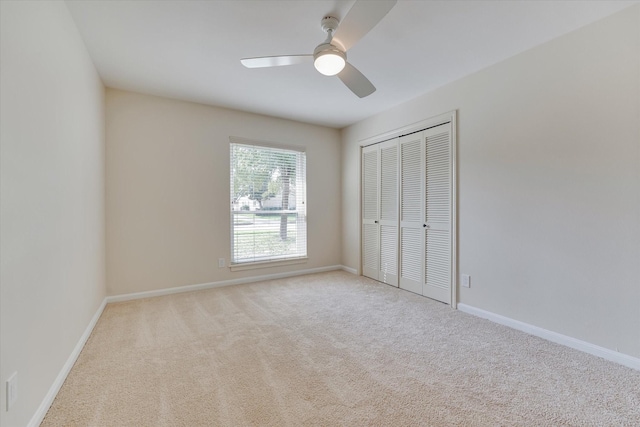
(330,349)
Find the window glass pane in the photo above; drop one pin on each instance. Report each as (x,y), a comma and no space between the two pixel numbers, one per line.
(268,204)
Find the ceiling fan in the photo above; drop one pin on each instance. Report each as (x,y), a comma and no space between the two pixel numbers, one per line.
(330,57)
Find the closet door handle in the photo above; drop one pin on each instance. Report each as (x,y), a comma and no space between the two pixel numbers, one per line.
(376,222)
(426,226)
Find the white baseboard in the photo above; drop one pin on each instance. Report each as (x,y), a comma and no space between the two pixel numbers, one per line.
(190,288)
(605,353)
(349,269)
(37,418)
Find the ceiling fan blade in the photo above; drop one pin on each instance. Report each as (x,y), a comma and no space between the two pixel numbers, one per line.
(356,81)
(276,61)
(361,18)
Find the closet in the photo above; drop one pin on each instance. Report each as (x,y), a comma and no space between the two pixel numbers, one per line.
(408,212)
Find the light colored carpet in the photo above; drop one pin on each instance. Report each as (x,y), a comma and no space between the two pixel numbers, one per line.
(330,349)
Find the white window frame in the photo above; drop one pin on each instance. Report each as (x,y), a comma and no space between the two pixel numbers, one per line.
(301,207)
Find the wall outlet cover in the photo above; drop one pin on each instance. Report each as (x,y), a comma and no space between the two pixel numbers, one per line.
(466,280)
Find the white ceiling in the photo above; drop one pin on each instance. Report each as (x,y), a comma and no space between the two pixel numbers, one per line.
(191,50)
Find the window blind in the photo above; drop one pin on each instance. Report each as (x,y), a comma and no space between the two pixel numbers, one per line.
(268,204)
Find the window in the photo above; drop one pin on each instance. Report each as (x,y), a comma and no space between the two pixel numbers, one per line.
(268,203)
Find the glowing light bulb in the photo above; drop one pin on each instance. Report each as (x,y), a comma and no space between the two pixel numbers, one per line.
(329,61)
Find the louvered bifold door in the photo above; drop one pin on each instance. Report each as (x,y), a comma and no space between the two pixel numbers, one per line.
(412,211)
(370,212)
(389,212)
(438,213)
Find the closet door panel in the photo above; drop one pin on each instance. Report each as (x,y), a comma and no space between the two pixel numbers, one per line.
(411,178)
(437,266)
(438,210)
(411,268)
(389,212)
(388,255)
(389,181)
(411,212)
(370,251)
(370,184)
(370,205)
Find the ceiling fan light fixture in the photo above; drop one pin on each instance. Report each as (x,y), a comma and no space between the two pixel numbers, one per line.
(329,60)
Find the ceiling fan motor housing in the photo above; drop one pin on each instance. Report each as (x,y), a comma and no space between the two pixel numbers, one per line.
(326,48)
(329,23)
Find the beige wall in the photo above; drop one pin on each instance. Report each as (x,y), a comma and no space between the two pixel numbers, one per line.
(52,198)
(549,182)
(168,211)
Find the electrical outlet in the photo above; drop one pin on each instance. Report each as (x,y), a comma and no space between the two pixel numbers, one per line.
(221,263)
(12,390)
(466,280)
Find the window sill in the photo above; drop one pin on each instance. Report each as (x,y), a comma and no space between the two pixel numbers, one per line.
(266,264)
